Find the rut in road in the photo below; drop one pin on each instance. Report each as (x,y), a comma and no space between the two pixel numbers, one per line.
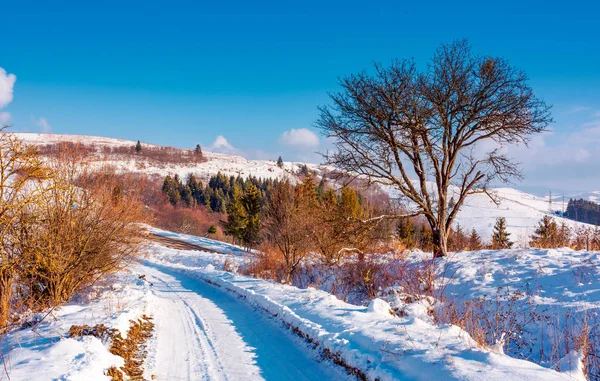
(206,333)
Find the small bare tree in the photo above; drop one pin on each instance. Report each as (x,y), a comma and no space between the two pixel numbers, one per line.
(287,224)
(434,135)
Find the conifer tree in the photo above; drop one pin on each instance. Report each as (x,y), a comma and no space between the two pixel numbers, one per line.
(405,231)
(138,147)
(280,162)
(198,150)
(546,235)
(500,236)
(236,216)
(211,230)
(196,188)
(475,241)
(457,239)
(252,202)
(349,205)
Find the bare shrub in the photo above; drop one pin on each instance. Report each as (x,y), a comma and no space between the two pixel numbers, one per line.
(499,321)
(269,263)
(195,221)
(83,228)
(21,170)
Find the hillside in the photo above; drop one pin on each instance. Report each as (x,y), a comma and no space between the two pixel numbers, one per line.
(521,210)
(215,162)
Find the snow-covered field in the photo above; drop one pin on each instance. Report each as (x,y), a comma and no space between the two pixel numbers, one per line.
(216,325)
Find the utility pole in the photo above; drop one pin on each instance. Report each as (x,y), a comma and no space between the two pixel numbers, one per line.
(550,203)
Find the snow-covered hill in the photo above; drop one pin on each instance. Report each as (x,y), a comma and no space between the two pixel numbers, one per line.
(521,210)
(216,162)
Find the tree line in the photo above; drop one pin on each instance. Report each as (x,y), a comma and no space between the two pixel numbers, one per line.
(583,211)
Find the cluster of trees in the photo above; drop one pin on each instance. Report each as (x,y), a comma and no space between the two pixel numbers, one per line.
(583,211)
(295,220)
(215,195)
(163,155)
(550,234)
(63,226)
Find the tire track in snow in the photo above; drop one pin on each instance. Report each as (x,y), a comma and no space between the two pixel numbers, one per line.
(205,333)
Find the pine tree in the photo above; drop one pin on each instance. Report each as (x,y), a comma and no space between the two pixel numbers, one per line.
(252,202)
(280,162)
(186,196)
(321,188)
(500,236)
(564,235)
(457,239)
(138,147)
(546,234)
(196,188)
(307,192)
(475,241)
(211,230)
(405,231)
(349,205)
(198,150)
(237,217)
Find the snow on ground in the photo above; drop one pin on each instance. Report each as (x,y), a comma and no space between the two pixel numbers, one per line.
(562,284)
(47,353)
(207,333)
(366,338)
(217,325)
(210,245)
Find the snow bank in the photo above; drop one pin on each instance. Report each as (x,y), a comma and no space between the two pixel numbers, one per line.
(369,339)
(46,353)
(562,286)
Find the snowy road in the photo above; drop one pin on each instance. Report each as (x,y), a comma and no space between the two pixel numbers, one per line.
(205,333)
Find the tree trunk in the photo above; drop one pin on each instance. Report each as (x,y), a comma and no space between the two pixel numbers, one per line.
(6,281)
(440,242)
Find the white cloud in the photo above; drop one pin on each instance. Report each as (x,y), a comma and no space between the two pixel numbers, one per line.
(43,124)
(7,82)
(4,117)
(302,138)
(221,145)
(221,142)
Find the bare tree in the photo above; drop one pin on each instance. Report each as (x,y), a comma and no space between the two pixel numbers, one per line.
(428,134)
(287,224)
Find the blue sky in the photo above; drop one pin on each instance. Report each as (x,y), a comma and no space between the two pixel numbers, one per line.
(181,73)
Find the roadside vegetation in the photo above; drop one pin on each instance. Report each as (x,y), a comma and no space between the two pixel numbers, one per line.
(65,225)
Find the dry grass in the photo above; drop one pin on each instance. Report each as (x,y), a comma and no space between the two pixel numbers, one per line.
(132,349)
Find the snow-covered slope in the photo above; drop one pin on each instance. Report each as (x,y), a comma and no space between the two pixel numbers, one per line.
(216,162)
(522,211)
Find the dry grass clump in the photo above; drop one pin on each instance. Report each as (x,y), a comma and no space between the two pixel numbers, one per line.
(132,349)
